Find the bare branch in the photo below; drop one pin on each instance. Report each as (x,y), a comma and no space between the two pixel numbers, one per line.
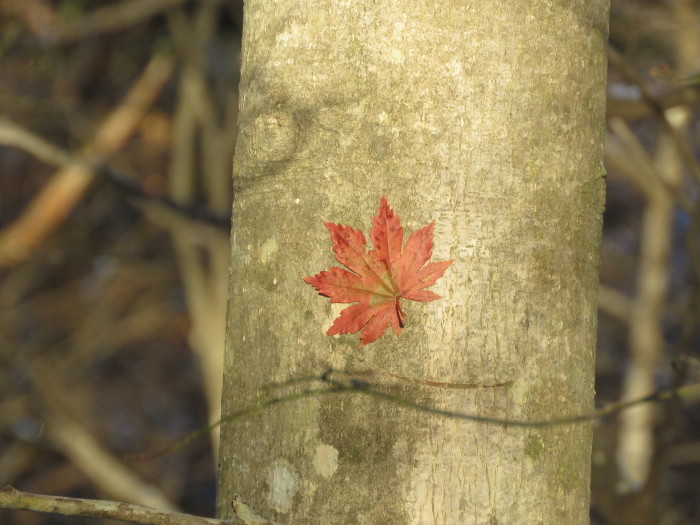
(684,150)
(59,196)
(11,498)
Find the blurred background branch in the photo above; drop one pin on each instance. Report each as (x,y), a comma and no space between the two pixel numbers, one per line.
(127,346)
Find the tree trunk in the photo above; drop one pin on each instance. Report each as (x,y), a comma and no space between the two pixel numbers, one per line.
(486,119)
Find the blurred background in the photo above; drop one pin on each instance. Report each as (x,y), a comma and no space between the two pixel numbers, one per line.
(117,128)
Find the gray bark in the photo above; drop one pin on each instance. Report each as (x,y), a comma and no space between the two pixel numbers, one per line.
(487,118)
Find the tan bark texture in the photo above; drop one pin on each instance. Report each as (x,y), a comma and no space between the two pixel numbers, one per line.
(487,118)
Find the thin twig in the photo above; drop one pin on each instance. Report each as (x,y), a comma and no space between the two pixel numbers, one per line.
(686,391)
(11,498)
(347,381)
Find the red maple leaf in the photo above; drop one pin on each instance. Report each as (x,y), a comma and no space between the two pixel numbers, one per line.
(377,280)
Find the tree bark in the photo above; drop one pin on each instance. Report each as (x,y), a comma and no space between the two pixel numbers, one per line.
(486,119)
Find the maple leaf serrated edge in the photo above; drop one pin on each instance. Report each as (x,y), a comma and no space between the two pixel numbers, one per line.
(377,280)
